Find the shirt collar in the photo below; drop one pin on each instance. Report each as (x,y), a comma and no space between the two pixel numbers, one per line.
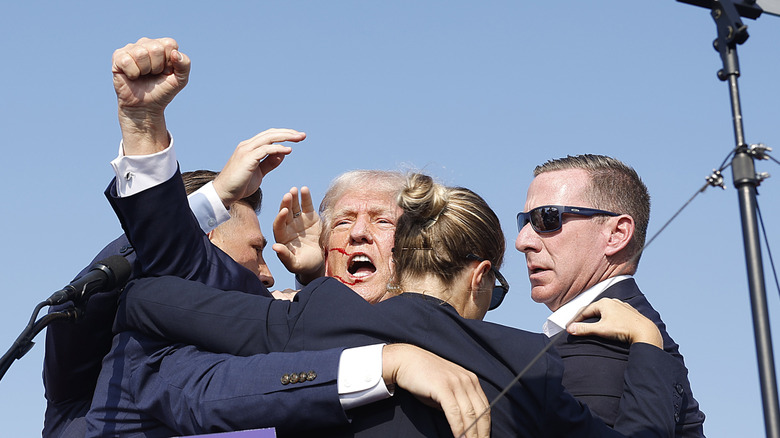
(558,321)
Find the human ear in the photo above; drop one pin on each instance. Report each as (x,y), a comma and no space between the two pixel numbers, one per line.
(621,230)
(478,277)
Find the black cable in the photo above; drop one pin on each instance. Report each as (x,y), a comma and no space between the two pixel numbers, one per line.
(674,216)
(22,343)
(769,157)
(514,381)
(768,248)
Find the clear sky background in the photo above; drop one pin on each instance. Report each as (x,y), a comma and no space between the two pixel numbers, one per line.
(475,93)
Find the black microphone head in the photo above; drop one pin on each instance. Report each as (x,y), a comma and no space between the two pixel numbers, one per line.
(118,270)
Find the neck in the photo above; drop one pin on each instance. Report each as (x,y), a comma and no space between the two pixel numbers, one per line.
(433,286)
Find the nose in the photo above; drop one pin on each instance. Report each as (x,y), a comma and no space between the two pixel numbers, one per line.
(264,274)
(361,230)
(527,240)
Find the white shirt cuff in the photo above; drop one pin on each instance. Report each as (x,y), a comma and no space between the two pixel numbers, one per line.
(208,207)
(136,173)
(360,379)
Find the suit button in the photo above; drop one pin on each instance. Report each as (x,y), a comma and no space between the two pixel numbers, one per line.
(679,388)
(294,378)
(676,417)
(311,376)
(124,249)
(285,379)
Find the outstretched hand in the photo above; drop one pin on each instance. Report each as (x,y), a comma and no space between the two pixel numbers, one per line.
(618,321)
(147,76)
(439,383)
(297,231)
(251,161)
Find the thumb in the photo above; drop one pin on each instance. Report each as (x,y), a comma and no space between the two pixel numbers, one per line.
(181,66)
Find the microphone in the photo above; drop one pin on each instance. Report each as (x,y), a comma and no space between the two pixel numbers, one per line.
(103,276)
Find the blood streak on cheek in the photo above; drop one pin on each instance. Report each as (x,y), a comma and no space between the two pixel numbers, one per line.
(348,283)
(340,250)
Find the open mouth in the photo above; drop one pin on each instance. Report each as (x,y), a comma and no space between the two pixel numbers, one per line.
(360,266)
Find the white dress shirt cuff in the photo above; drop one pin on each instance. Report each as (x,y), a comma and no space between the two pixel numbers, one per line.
(360,379)
(136,173)
(208,207)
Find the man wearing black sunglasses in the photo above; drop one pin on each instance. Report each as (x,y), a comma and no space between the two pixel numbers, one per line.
(582,232)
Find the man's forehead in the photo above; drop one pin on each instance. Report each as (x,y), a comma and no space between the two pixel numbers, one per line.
(371,201)
(558,187)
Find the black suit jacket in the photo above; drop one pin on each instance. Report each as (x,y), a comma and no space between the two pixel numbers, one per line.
(593,366)
(327,313)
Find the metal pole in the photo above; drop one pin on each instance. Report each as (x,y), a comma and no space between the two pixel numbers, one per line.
(742,166)
(746,181)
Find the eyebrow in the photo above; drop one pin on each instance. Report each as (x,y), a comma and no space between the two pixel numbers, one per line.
(374,211)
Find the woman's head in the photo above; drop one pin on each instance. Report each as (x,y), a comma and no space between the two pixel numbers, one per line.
(440,227)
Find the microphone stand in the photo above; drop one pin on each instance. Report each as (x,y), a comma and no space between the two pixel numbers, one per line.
(24,343)
(732,32)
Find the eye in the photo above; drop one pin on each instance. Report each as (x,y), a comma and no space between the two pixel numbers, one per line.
(341,223)
(385,221)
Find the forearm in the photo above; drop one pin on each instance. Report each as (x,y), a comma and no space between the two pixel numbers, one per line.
(196,392)
(166,306)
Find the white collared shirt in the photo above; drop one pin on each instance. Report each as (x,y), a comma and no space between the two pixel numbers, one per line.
(558,321)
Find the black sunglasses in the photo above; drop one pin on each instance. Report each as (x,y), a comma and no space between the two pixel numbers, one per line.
(547,218)
(500,289)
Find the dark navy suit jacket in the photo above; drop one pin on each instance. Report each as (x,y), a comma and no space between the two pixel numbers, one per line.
(75,352)
(327,314)
(592,366)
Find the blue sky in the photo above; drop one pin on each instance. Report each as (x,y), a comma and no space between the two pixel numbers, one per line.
(475,93)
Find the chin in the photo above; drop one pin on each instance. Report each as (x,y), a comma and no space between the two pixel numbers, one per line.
(368,293)
(539,295)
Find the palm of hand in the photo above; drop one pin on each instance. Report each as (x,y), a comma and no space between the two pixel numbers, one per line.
(301,238)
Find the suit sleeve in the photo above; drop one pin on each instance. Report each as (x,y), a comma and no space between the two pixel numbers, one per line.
(167,239)
(650,395)
(325,314)
(195,313)
(194,391)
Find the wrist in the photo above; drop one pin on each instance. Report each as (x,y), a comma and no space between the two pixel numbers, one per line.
(227,198)
(650,336)
(390,365)
(143,135)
